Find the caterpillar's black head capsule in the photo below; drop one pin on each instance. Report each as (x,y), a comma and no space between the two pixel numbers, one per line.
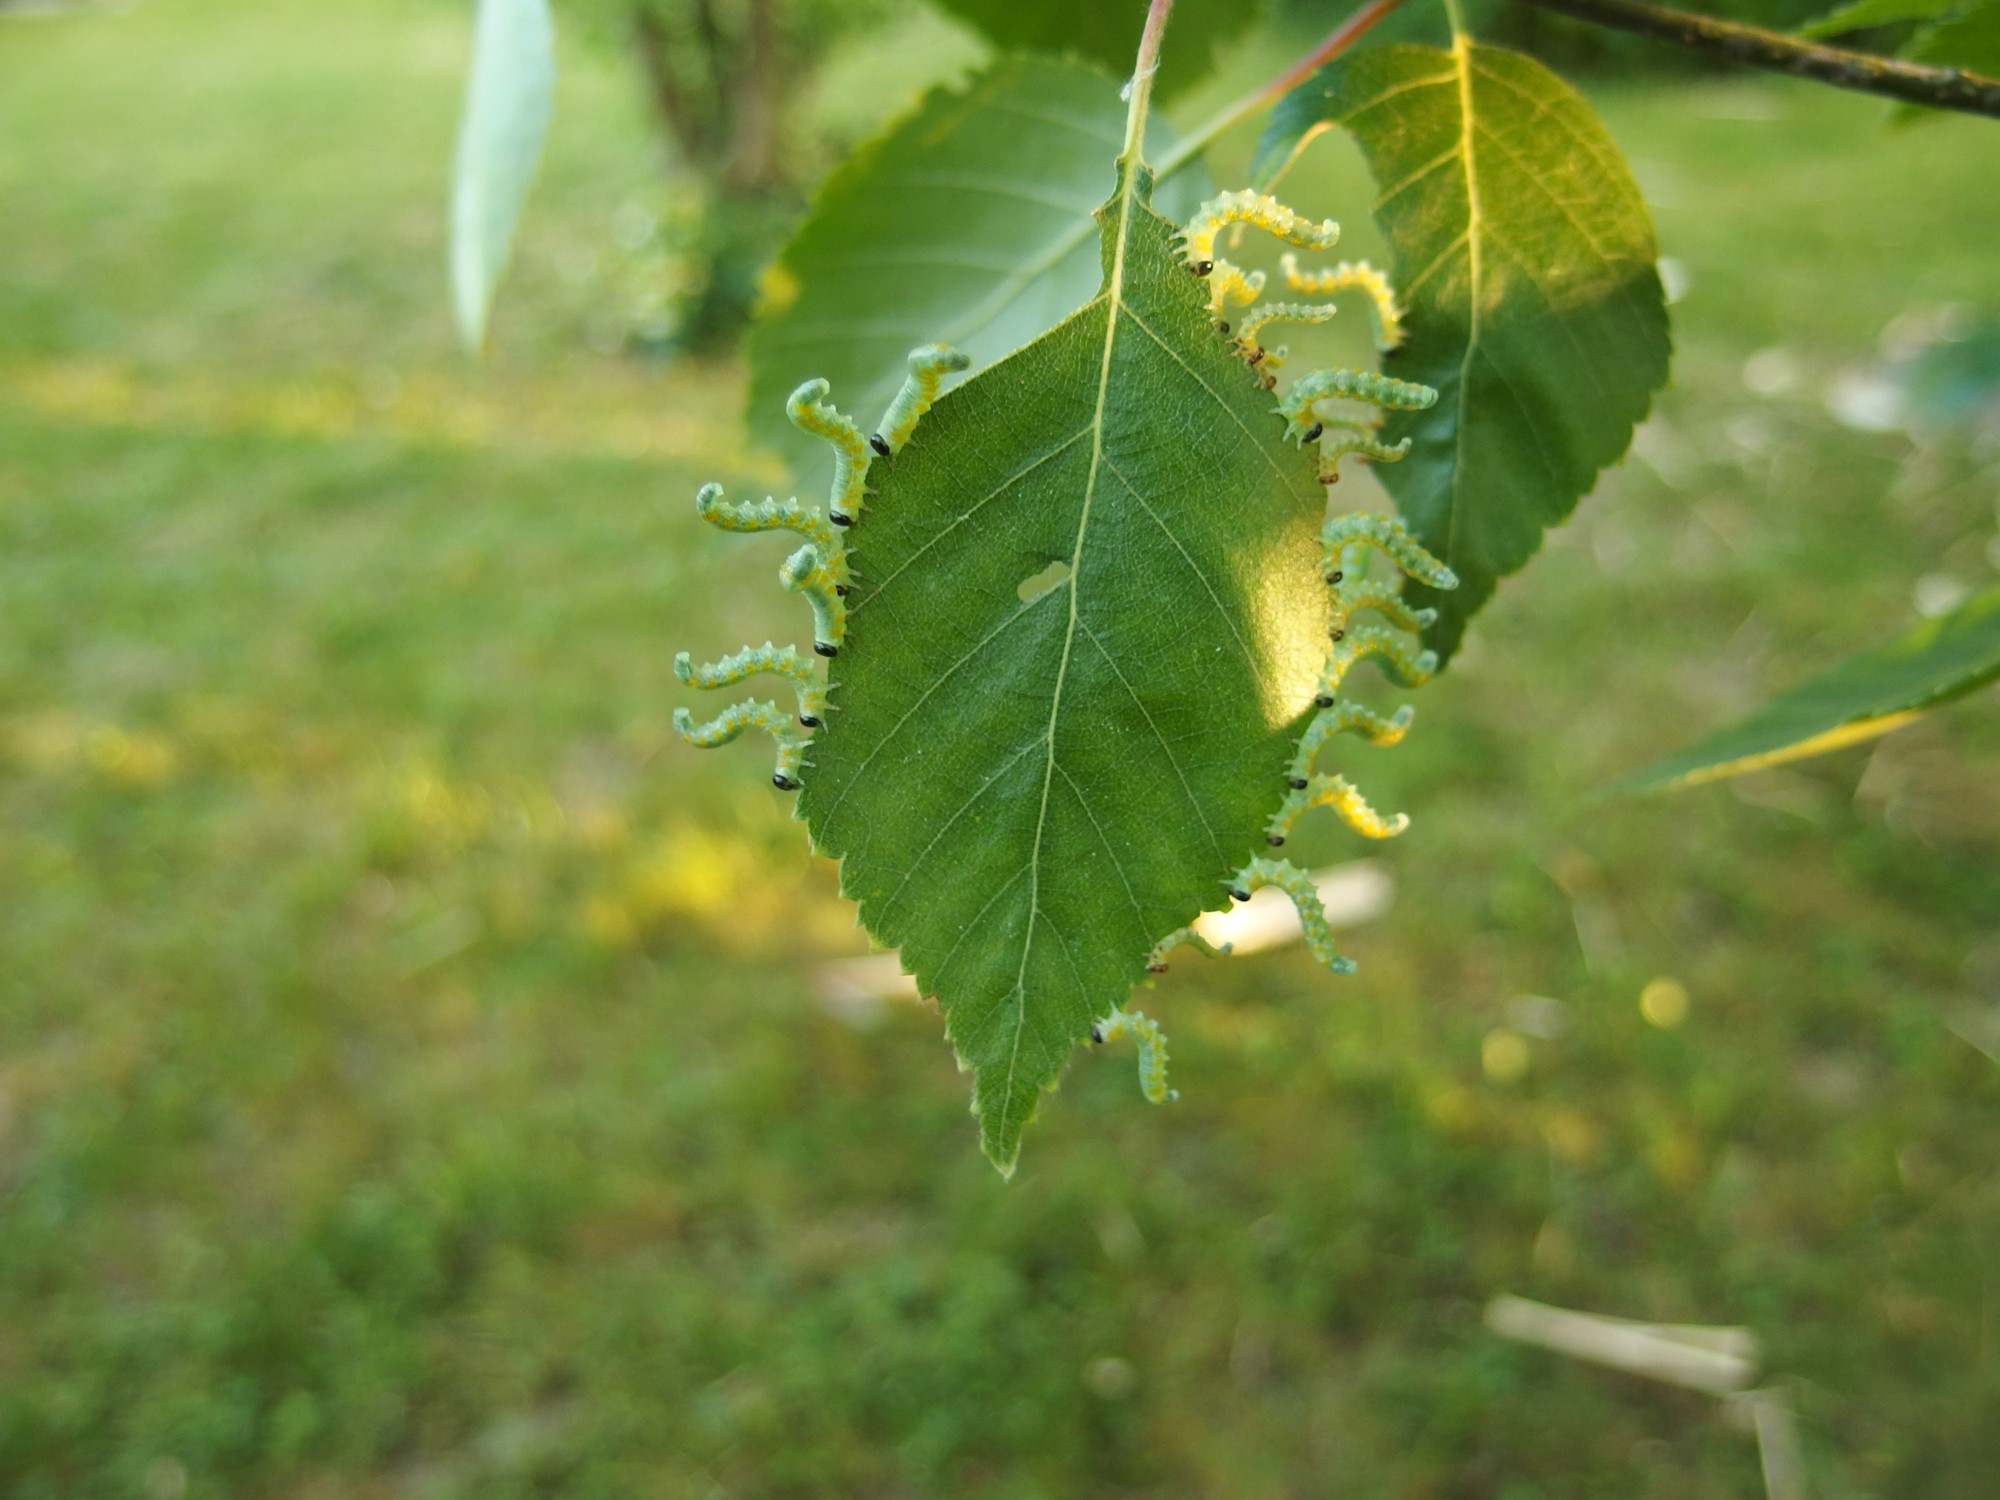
(784,783)
(1240,894)
(842,589)
(1339,632)
(880,444)
(1202,267)
(1096,1035)
(839,519)
(825,650)
(1223,329)
(1275,840)
(1324,700)
(807,721)
(1296,783)
(1314,432)
(1156,968)
(1336,576)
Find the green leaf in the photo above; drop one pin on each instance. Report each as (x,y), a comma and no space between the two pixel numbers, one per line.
(1526,262)
(1027,792)
(507,105)
(1864,696)
(1969,40)
(1863,14)
(969,224)
(1108,34)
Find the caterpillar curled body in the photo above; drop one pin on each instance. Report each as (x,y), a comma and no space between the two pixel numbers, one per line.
(1182,937)
(1259,210)
(1350,385)
(785,661)
(808,572)
(810,412)
(1351,275)
(1338,793)
(1343,718)
(735,720)
(1295,883)
(1343,537)
(1281,312)
(928,367)
(1382,598)
(1152,1050)
(762,515)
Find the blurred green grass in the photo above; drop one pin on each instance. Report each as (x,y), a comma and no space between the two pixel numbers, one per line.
(410,1081)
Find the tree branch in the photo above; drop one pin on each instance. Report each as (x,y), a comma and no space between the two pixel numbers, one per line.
(1940,88)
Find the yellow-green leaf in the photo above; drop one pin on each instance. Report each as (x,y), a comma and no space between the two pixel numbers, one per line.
(1865,696)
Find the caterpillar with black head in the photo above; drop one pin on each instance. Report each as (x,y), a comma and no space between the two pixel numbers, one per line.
(817,571)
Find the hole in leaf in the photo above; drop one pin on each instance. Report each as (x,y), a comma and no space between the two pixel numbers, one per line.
(1037,584)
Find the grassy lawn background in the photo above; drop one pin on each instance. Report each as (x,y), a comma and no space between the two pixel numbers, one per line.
(410,1077)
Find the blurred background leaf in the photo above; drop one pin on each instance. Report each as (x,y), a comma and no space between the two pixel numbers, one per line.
(1868,695)
(1865,14)
(509,95)
(1008,169)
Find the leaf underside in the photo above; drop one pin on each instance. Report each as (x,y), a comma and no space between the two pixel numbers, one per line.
(1526,262)
(970,224)
(1026,795)
(1866,695)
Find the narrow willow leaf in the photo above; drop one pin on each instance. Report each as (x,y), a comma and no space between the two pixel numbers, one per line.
(970,223)
(1108,34)
(507,104)
(1526,262)
(1028,790)
(1862,14)
(1865,696)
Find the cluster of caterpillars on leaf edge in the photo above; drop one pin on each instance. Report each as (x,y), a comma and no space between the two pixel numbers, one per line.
(819,570)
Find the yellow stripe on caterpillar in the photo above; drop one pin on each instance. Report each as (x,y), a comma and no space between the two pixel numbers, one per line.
(1400,662)
(1351,275)
(1259,210)
(1339,794)
(1229,284)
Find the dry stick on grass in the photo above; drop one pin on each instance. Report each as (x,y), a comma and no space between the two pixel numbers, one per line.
(1940,88)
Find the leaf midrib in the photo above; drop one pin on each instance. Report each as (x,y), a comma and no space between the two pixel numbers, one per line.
(1114,299)
(1461,48)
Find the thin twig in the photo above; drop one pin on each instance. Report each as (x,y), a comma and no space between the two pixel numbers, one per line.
(1343,36)
(1941,88)
(1337,41)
